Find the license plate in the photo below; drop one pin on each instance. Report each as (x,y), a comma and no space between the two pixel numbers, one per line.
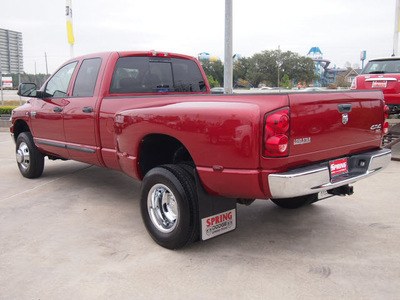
(379,84)
(338,167)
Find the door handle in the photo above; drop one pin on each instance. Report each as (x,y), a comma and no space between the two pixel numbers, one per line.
(87,109)
(57,109)
(344,108)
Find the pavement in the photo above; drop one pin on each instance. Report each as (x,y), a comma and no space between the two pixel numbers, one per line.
(76,233)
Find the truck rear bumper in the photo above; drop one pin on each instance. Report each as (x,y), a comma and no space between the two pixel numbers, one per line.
(317,178)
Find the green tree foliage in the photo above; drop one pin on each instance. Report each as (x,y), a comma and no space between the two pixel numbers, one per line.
(240,69)
(285,83)
(214,69)
(263,68)
(213,83)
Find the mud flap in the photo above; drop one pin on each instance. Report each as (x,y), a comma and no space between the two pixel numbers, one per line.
(217,215)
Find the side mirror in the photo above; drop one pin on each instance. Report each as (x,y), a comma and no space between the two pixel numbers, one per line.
(28,90)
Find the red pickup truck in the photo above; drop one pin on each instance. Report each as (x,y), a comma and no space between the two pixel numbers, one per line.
(382,74)
(151,115)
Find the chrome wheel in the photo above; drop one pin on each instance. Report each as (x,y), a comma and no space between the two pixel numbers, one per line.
(30,160)
(162,208)
(23,156)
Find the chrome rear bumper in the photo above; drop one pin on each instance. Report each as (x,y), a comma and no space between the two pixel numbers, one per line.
(316,178)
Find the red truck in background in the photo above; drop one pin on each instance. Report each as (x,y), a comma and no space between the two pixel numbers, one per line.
(151,115)
(382,74)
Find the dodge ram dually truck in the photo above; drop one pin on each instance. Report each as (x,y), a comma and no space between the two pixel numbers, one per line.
(151,115)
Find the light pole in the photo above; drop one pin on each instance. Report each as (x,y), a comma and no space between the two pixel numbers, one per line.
(228,66)
(396,29)
(278,62)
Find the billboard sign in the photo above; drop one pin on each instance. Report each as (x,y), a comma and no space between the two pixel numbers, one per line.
(363,55)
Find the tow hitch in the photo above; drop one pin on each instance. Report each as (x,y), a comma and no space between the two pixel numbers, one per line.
(339,191)
(342,191)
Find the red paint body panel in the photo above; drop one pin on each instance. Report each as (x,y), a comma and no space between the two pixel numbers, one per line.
(223,133)
(391,91)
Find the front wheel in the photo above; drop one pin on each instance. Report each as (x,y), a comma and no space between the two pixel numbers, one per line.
(29,159)
(296,202)
(169,206)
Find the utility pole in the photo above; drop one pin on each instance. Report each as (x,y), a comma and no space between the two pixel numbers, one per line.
(278,62)
(45,58)
(228,65)
(396,29)
(1,84)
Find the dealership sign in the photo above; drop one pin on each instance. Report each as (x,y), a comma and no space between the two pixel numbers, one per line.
(7,82)
(218,224)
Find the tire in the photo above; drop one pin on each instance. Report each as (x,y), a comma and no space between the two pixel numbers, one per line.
(30,160)
(296,202)
(169,206)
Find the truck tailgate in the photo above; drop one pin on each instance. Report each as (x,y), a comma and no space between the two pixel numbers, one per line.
(340,123)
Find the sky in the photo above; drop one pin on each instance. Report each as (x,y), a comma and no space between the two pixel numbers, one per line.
(340,28)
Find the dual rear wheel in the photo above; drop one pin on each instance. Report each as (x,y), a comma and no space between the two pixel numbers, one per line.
(169,206)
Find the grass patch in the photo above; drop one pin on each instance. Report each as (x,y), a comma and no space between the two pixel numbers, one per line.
(12,102)
(6,110)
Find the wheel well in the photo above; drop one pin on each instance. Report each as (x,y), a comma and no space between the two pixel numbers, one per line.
(20,126)
(158,149)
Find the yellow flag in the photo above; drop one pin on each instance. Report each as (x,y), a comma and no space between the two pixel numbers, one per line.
(70,32)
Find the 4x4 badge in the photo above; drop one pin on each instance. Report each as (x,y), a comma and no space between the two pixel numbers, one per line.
(345,119)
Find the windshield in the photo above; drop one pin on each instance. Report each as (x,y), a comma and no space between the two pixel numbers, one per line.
(382,67)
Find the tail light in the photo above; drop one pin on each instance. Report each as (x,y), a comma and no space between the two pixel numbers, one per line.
(276,133)
(386,123)
(159,54)
(386,112)
(354,84)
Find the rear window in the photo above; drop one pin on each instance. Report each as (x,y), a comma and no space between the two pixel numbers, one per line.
(382,67)
(156,75)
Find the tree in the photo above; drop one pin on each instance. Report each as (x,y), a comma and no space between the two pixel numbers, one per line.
(285,83)
(263,67)
(240,69)
(213,83)
(214,69)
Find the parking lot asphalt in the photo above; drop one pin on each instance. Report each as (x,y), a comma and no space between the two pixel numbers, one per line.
(76,233)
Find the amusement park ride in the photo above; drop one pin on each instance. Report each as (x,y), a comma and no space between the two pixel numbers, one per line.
(326,76)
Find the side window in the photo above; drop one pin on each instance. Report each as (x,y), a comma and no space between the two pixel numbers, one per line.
(57,86)
(87,77)
(187,76)
(130,75)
